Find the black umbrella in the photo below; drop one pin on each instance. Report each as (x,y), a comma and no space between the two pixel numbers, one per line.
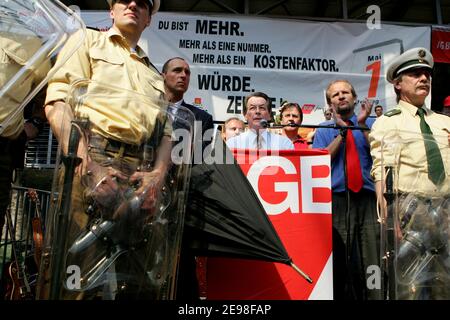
(224,216)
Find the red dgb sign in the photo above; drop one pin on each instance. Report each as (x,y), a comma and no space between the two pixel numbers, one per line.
(440,45)
(295,190)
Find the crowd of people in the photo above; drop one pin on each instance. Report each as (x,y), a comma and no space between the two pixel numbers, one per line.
(354,142)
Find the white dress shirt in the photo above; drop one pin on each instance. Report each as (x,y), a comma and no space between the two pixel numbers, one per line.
(248,140)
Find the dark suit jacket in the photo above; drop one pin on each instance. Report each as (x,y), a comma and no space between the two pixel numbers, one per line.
(187,286)
(206,122)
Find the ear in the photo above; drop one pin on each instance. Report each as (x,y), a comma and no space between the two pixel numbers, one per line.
(397,85)
(149,20)
(111,13)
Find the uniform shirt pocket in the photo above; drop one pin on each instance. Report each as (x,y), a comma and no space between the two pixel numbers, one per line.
(106,65)
(10,66)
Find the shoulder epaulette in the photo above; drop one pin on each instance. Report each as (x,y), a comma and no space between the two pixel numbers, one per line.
(393,112)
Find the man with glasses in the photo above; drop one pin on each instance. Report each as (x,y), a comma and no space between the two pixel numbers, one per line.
(258,112)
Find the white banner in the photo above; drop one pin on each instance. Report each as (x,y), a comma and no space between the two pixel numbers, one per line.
(231,56)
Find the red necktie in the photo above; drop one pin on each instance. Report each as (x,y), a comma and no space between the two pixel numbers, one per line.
(355,180)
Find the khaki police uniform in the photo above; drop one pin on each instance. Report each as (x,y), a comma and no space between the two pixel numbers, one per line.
(396,139)
(402,125)
(106,58)
(15,51)
(119,127)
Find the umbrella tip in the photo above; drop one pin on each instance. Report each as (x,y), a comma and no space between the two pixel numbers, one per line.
(304,275)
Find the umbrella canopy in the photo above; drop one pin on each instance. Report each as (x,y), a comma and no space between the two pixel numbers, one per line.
(224,216)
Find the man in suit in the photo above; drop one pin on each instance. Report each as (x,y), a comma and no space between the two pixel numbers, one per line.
(177,74)
(257,108)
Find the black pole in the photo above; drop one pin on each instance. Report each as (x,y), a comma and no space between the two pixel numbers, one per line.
(343,132)
(390,236)
(334,126)
(70,161)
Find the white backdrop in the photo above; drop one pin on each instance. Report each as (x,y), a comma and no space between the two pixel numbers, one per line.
(292,60)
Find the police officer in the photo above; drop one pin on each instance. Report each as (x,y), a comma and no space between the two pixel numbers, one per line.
(423,175)
(16,50)
(119,128)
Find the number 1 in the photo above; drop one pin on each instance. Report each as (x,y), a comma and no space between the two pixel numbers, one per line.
(375,67)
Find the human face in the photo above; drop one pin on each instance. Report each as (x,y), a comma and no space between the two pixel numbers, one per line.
(233,128)
(341,98)
(131,16)
(414,86)
(378,111)
(291,115)
(177,77)
(328,115)
(257,109)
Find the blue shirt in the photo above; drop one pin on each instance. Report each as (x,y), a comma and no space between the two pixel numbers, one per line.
(323,137)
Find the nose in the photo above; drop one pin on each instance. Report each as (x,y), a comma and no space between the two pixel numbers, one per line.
(425,76)
(132,4)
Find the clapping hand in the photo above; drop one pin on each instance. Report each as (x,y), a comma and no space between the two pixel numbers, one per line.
(364,113)
(337,117)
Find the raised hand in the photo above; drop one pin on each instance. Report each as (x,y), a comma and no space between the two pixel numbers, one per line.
(364,113)
(337,117)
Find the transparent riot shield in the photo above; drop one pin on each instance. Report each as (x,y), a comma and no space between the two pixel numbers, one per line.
(114,229)
(32,32)
(415,225)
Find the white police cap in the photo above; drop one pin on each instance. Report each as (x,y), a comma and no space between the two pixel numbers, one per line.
(154,3)
(411,59)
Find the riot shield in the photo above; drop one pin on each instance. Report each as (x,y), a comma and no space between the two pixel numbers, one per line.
(114,229)
(32,32)
(415,231)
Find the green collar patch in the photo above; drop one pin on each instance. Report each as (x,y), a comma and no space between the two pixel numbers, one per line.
(392,112)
